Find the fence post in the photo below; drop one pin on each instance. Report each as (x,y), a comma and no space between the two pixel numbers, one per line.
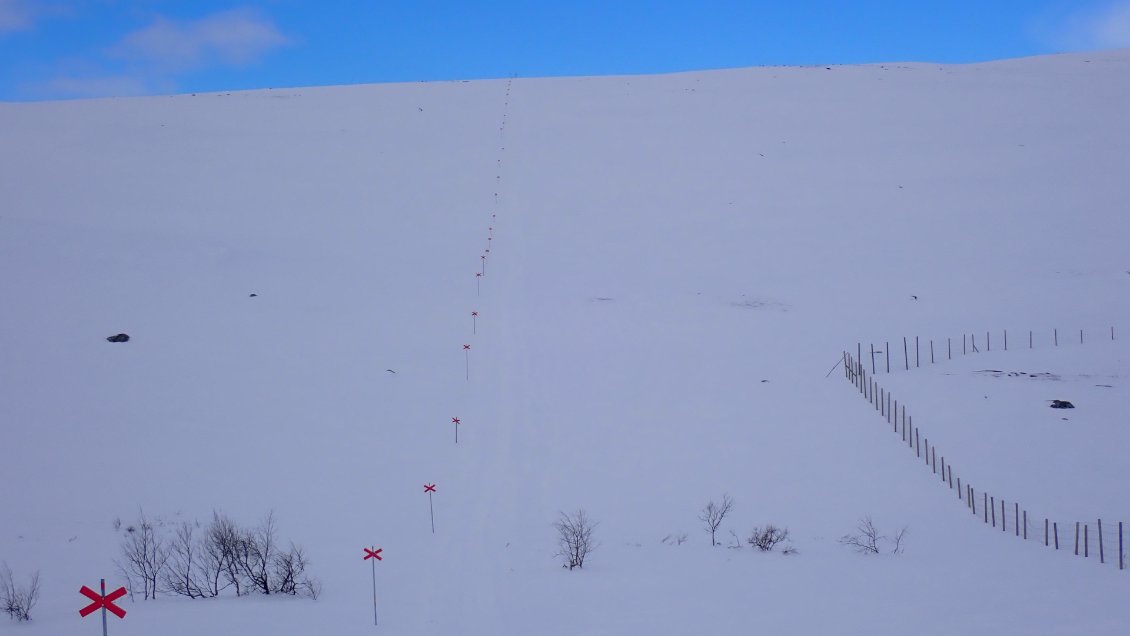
(905,355)
(1025,525)
(1102,554)
(1004,518)
(917,361)
(988,342)
(993,504)
(1121,560)
(1006,339)
(1016,520)
(1029,338)
(1080,336)
(1086,544)
(1055,531)
(872,357)
(931,351)
(949,345)
(985,505)
(887,351)
(1076,538)
(1055,334)
(962,344)
(917,440)
(1047,542)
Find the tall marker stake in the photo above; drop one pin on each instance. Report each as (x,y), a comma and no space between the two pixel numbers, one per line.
(478,283)
(467,359)
(455,421)
(474,324)
(375,554)
(430,488)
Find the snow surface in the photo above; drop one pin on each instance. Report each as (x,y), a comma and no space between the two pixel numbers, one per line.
(676,263)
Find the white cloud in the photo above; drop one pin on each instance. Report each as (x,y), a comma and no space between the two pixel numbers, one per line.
(1107,27)
(21,15)
(231,38)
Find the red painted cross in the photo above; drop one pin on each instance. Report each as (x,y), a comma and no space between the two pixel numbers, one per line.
(477,274)
(429,487)
(455,420)
(99,602)
(465,347)
(474,313)
(369,554)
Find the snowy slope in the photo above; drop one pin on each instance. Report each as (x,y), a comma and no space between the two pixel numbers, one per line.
(676,262)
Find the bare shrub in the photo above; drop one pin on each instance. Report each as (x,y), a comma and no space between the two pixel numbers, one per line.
(180,575)
(713,514)
(18,600)
(574,538)
(144,556)
(255,555)
(866,539)
(767,538)
(222,543)
(898,539)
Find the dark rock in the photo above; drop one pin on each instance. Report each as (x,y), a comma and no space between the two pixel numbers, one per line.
(1062,404)
(253,295)
(118,338)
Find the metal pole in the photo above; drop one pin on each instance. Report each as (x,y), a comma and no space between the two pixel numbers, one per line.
(374,590)
(432,513)
(103,585)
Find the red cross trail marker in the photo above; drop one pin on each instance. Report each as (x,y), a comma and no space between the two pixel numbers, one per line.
(467,361)
(484,259)
(478,281)
(456,422)
(429,489)
(474,323)
(374,553)
(102,601)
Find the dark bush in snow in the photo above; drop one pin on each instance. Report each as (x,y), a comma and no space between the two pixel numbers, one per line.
(17,600)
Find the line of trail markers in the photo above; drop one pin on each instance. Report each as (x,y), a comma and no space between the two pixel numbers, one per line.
(429,489)
(375,554)
(102,601)
(456,421)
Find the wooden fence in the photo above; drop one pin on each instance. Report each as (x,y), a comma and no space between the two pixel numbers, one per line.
(1103,541)
(930,351)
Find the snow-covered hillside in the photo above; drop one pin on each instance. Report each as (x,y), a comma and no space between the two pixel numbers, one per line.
(676,262)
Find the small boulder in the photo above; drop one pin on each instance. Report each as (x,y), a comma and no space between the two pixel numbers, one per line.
(1062,404)
(253,295)
(121,337)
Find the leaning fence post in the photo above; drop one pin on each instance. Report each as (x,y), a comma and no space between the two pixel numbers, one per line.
(872,357)
(1055,334)
(1055,531)
(993,504)
(917,440)
(985,505)
(1076,538)
(905,355)
(1025,525)
(887,352)
(1004,518)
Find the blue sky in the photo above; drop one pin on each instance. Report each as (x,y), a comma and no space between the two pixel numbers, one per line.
(52,49)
